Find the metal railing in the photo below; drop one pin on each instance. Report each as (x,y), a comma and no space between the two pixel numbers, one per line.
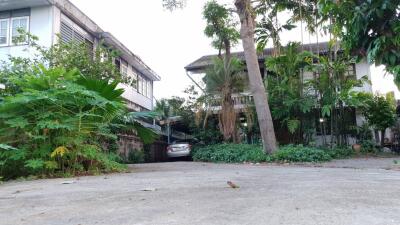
(240,100)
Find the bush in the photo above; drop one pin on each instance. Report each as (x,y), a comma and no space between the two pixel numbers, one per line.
(229,153)
(300,153)
(369,146)
(340,152)
(236,153)
(135,156)
(62,135)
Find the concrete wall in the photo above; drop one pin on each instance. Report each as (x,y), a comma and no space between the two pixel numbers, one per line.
(132,95)
(40,25)
(363,69)
(128,143)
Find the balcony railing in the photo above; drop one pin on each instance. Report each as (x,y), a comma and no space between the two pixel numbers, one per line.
(241,101)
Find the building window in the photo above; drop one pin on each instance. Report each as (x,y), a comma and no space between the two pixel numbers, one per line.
(351,72)
(134,77)
(149,88)
(17,24)
(11,22)
(124,69)
(144,86)
(140,84)
(68,34)
(4,32)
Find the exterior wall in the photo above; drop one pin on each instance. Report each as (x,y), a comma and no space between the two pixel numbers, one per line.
(363,69)
(128,143)
(132,95)
(320,142)
(40,25)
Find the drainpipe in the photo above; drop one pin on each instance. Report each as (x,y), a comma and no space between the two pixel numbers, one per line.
(187,74)
(169,132)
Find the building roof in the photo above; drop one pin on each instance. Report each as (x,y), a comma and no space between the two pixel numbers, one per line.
(199,65)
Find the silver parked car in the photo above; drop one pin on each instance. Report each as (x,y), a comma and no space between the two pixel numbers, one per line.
(179,149)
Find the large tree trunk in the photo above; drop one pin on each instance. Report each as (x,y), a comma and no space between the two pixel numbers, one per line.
(383,138)
(227,119)
(245,11)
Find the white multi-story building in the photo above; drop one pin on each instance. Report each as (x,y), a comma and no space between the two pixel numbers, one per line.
(51,19)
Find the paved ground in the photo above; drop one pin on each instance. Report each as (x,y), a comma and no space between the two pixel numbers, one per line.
(196,193)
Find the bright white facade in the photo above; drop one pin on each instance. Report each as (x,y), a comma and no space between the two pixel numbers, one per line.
(47,19)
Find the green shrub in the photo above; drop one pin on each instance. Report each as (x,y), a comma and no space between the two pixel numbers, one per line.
(229,153)
(62,135)
(135,156)
(340,152)
(300,153)
(369,146)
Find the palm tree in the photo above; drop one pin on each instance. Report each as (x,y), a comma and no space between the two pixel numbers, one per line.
(223,79)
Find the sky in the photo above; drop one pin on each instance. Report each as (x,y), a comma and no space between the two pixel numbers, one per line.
(168,41)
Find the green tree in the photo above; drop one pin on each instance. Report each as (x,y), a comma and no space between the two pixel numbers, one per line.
(380,114)
(368,29)
(220,27)
(222,80)
(288,96)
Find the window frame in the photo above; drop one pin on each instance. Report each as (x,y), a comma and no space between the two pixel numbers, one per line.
(149,88)
(8,32)
(124,68)
(12,19)
(134,77)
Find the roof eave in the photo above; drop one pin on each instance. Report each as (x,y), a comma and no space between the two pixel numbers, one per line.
(131,58)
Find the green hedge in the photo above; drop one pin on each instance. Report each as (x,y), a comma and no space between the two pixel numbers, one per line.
(237,153)
(229,153)
(301,154)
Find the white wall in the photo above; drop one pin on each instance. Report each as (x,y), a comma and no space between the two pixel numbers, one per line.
(133,96)
(40,25)
(363,69)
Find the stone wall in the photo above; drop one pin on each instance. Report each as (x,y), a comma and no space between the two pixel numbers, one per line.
(156,152)
(127,143)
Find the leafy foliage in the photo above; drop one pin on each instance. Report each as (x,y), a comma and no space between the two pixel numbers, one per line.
(223,79)
(380,112)
(95,64)
(220,26)
(63,118)
(135,156)
(230,153)
(368,28)
(289,102)
(237,153)
(292,153)
(56,119)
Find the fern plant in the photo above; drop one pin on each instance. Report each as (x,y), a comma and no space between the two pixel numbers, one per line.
(55,119)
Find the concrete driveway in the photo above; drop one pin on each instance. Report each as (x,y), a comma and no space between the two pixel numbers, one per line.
(190,193)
